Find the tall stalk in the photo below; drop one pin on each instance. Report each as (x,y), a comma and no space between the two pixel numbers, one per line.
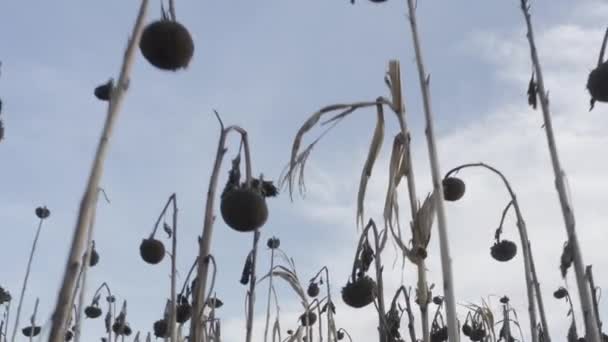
(252,281)
(72,267)
(25,280)
(446,261)
(592,331)
(272,248)
(399,104)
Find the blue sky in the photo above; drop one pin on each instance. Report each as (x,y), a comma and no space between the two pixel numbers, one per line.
(267,66)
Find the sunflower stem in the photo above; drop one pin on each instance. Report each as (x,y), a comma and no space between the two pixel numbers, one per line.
(269,295)
(80,232)
(446,260)
(173,315)
(85,266)
(251,302)
(25,280)
(592,331)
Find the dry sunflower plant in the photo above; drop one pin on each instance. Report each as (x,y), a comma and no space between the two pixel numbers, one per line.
(194,313)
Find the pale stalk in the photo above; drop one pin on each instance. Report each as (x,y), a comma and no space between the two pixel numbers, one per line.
(399,104)
(269,295)
(446,261)
(251,302)
(79,237)
(173,315)
(25,280)
(592,331)
(83,271)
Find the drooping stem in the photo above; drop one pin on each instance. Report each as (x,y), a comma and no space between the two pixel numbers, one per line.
(205,241)
(269,294)
(532,285)
(188,276)
(408,308)
(446,261)
(72,267)
(251,302)
(592,331)
(25,280)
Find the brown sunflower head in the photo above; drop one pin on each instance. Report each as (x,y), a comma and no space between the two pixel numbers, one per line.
(359,293)
(167,45)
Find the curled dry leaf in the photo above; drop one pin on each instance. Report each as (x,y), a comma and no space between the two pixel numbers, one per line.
(374,149)
(295,168)
(421,227)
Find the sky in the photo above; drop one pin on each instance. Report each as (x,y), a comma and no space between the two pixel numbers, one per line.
(267,66)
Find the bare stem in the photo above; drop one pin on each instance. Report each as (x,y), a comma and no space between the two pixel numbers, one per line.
(251,302)
(269,295)
(205,242)
(446,261)
(592,331)
(79,238)
(25,280)
(173,315)
(172,9)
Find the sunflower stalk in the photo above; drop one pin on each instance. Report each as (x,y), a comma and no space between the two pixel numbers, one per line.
(269,294)
(446,261)
(592,331)
(25,280)
(85,266)
(72,267)
(205,241)
(402,166)
(532,284)
(251,292)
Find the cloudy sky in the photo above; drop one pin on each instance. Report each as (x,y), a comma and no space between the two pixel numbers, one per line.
(266,66)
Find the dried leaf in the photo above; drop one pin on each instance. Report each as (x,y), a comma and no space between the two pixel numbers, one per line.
(421,227)
(374,149)
(566,259)
(532,92)
(297,157)
(167,229)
